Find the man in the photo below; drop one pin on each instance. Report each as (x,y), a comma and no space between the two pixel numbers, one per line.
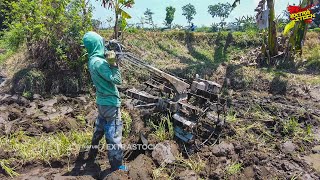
(105,75)
(193,27)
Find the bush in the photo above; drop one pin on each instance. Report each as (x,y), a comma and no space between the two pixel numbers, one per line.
(51,29)
(314,65)
(315,30)
(204,29)
(132,30)
(28,81)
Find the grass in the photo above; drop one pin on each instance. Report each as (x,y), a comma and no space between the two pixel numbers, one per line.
(45,147)
(4,164)
(127,121)
(313,57)
(234,169)
(81,118)
(172,51)
(270,73)
(311,51)
(231,116)
(297,176)
(27,94)
(5,56)
(194,163)
(254,132)
(292,128)
(259,113)
(7,53)
(163,131)
(161,172)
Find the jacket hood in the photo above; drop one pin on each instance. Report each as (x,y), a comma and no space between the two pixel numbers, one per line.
(94,44)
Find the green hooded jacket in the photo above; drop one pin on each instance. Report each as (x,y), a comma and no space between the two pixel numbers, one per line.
(104,77)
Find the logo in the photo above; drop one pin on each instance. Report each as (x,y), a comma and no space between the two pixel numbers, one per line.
(301,14)
(307,14)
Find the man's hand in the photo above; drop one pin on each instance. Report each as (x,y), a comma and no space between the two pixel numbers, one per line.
(111,58)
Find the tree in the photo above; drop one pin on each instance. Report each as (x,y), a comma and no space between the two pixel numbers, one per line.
(4,7)
(118,6)
(221,10)
(142,22)
(96,24)
(2,15)
(109,21)
(51,29)
(148,17)
(189,11)
(169,16)
(272,33)
(299,31)
(317,19)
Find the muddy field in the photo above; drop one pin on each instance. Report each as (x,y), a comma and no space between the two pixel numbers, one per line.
(271,132)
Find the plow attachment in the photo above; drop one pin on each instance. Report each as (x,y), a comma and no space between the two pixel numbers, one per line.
(197,110)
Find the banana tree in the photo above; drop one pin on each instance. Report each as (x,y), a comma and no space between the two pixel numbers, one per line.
(121,15)
(234,4)
(298,30)
(272,32)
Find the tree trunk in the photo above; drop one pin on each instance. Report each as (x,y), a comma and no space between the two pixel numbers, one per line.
(272,33)
(116,27)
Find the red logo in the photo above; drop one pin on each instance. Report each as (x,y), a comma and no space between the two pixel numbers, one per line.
(301,14)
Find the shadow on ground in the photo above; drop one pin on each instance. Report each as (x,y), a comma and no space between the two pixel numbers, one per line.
(82,168)
(200,63)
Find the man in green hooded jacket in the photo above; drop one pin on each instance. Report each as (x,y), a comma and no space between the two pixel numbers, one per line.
(105,76)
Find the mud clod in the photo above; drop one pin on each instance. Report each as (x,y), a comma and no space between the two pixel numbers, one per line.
(223,149)
(314,161)
(165,152)
(187,175)
(248,172)
(289,147)
(141,168)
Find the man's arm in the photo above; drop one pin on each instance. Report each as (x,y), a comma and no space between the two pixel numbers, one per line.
(109,73)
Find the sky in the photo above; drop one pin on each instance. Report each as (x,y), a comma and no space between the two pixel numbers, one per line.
(202,18)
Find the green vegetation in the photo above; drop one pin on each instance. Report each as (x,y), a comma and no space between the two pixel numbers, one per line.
(3,6)
(27,94)
(164,130)
(260,114)
(41,35)
(120,14)
(52,35)
(231,116)
(159,173)
(221,10)
(189,11)
(29,82)
(5,55)
(4,164)
(169,16)
(313,59)
(234,168)
(315,30)
(148,16)
(46,147)
(127,121)
(194,163)
(292,128)
(81,118)
(4,52)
